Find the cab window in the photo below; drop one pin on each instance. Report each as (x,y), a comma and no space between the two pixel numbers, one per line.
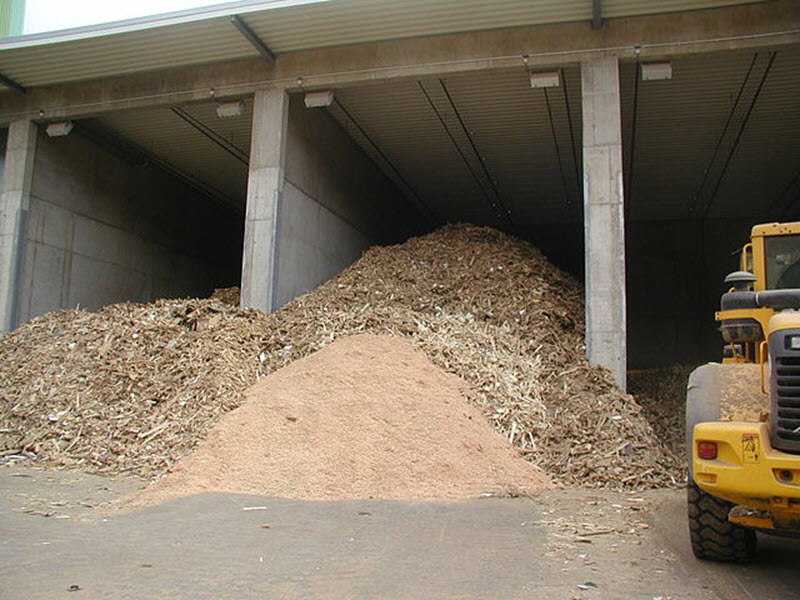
(782,257)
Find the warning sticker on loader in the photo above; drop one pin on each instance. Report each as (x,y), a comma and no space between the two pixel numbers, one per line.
(751,448)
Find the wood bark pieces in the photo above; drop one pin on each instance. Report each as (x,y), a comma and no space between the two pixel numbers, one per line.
(480,304)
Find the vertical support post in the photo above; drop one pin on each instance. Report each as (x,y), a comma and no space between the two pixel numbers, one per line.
(14,203)
(604,216)
(264,189)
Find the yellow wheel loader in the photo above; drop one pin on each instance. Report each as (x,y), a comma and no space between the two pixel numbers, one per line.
(743,415)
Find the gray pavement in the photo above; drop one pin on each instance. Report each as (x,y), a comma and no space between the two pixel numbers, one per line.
(571,544)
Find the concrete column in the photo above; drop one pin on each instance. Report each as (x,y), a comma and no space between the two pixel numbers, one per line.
(264,189)
(14,203)
(604,224)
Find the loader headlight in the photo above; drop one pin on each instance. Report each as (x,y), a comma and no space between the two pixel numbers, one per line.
(793,342)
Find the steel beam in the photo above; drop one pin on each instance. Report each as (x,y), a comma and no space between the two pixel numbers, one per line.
(597,14)
(8,82)
(251,36)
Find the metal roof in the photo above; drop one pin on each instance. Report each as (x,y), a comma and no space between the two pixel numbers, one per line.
(206,35)
(713,141)
(192,149)
(466,143)
(691,149)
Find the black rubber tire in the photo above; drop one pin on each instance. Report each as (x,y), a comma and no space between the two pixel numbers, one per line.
(713,537)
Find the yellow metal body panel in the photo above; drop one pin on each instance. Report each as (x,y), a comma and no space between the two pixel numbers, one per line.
(749,471)
(769,229)
(756,250)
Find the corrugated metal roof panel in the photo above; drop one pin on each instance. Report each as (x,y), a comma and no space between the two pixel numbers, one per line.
(205,41)
(767,159)
(163,133)
(505,148)
(178,41)
(398,119)
(680,149)
(678,125)
(354,21)
(535,163)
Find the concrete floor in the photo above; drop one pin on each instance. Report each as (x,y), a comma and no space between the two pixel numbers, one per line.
(573,544)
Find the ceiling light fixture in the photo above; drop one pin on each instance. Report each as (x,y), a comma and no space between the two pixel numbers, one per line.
(319,99)
(230,109)
(59,129)
(545,79)
(655,71)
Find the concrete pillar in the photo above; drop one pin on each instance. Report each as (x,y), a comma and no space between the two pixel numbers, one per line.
(604,224)
(264,189)
(14,203)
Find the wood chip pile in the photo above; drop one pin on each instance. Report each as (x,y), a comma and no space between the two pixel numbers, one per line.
(662,394)
(134,387)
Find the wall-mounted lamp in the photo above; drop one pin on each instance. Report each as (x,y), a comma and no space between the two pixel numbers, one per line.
(230,109)
(545,79)
(59,129)
(655,71)
(319,99)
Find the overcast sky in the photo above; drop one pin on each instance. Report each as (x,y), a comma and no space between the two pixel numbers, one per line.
(51,15)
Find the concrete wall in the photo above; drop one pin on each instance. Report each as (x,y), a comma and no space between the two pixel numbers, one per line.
(335,204)
(101,230)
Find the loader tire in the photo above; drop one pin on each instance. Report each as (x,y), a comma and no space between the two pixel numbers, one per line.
(713,537)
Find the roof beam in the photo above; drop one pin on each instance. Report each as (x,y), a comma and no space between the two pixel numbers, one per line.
(597,14)
(251,37)
(10,83)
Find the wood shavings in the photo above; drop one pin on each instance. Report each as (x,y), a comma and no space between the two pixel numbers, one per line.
(143,383)
(742,397)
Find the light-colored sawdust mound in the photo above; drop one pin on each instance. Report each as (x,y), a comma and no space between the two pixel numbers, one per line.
(366,417)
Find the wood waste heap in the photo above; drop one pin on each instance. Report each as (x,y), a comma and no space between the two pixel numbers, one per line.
(454,328)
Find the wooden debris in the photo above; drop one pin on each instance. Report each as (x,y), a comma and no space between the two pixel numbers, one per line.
(134,387)
(662,394)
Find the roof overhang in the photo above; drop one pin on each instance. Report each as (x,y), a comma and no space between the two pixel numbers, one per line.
(206,35)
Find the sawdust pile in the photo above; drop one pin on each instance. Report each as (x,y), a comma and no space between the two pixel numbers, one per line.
(132,388)
(365,417)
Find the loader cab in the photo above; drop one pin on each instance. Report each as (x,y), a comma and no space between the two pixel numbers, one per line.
(773,256)
(770,261)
